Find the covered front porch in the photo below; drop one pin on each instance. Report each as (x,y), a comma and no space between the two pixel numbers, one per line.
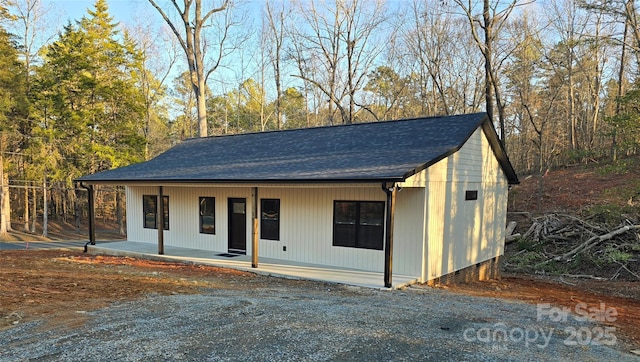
(267,266)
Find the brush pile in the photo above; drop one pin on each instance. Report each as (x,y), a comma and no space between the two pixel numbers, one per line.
(597,246)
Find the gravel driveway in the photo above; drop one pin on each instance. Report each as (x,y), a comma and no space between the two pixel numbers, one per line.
(309,321)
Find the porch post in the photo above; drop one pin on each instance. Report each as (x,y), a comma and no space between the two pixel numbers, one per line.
(254,230)
(160,220)
(388,237)
(92,214)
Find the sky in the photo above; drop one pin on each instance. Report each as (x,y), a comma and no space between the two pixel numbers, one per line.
(133,13)
(122,10)
(130,14)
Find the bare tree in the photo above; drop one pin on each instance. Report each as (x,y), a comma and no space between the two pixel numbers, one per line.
(631,15)
(28,24)
(339,49)
(630,19)
(623,12)
(567,56)
(193,20)
(158,53)
(492,20)
(429,39)
(5,208)
(275,32)
(443,57)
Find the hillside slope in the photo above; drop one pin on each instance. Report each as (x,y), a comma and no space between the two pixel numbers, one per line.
(578,188)
(584,223)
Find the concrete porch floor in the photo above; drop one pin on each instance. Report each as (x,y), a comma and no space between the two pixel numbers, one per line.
(266,266)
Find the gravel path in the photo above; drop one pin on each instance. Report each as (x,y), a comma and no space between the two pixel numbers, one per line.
(315,322)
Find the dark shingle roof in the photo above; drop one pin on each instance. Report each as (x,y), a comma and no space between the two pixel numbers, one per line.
(380,151)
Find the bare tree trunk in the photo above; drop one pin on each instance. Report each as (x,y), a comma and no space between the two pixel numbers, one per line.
(488,69)
(119,213)
(596,91)
(201,101)
(76,208)
(195,47)
(45,211)
(25,215)
(65,200)
(572,105)
(492,22)
(541,170)
(34,209)
(5,203)
(614,141)
(276,35)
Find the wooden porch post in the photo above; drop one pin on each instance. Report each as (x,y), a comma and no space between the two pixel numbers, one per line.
(254,230)
(388,238)
(160,220)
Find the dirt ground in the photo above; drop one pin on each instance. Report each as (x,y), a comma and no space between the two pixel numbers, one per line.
(61,286)
(576,188)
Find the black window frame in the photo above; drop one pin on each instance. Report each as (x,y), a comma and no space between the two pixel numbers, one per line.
(270,223)
(148,211)
(201,214)
(470,195)
(350,229)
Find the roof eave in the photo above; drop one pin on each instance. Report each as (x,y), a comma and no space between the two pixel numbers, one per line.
(240,181)
(499,152)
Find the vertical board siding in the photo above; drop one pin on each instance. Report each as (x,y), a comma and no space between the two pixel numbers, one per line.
(306,222)
(433,263)
(408,233)
(460,232)
(135,216)
(306,227)
(184,216)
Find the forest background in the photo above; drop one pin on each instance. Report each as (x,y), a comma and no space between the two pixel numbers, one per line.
(559,78)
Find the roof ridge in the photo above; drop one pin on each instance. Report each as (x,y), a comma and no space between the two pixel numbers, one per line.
(291,130)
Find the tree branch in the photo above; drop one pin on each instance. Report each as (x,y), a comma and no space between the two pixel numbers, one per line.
(170,23)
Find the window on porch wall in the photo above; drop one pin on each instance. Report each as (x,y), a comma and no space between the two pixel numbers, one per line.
(150,211)
(208,215)
(358,224)
(270,219)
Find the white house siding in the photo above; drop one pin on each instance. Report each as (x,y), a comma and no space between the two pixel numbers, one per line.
(306,227)
(408,235)
(461,233)
(184,222)
(306,221)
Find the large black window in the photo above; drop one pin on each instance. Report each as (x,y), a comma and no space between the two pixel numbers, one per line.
(358,224)
(150,211)
(270,219)
(208,215)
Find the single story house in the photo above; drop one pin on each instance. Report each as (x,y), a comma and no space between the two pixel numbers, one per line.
(423,197)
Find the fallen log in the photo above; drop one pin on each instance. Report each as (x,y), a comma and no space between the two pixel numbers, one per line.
(511,238)
(510,228)
(595,240)
(584,276)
